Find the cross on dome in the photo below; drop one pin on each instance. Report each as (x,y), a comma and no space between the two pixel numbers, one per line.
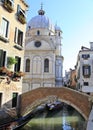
(41,6)
(41,11)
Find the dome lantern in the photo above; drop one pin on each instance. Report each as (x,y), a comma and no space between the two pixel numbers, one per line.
(41,21)
(41,11)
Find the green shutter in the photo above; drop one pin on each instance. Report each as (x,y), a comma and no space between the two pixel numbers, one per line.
(1,58)
(15,37)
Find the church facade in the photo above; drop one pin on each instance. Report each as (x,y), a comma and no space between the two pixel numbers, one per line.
(43,60)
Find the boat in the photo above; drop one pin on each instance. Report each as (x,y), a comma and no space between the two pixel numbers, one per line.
(23,121)
(54,106)
(20,126)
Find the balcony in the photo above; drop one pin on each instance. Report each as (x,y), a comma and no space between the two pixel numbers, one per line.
(21,16)
(8,5)
(22,19)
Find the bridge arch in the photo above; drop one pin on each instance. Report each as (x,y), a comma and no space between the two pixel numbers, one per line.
(77,100)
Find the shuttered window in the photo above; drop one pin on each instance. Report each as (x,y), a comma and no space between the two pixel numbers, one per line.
(18,38)
(86,70)
(18,64)
(2,58)
(85,56)
(4,30)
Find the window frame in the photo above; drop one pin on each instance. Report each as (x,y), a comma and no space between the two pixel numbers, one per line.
(86,71)
(2,58)
(85,56)
(86,83)
(27,65)
(18,64)
(4,31)
(19,45)
(38,32)
(20,11)
(46,65)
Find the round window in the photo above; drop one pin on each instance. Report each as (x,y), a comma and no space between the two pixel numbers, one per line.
(37,43)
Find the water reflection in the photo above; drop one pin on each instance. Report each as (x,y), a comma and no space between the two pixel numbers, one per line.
(66,123)
(63,118)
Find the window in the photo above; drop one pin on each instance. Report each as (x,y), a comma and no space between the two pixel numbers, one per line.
(38,32)
(85,83)
(37,44)
(27,68)
(86,70)
(2,58)
(21,15)
(29,27)
(46,65)
(18,38)
(85,56)
(78,73)
(18,64)
(4,28)
(14,99)
(49,33)
(20,11)
(59,34)
(11,2)
(8,5)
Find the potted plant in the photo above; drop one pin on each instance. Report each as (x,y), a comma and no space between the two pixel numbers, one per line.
(10,73)
(22,19)
(11,61)
(3,70)
(19,74)
(8,6)
(16,79)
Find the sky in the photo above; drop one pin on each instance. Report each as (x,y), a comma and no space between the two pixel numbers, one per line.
(75,17)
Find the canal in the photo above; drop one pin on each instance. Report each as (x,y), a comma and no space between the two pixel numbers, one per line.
(61,118)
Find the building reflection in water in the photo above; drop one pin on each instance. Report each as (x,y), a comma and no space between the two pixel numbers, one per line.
(65,118)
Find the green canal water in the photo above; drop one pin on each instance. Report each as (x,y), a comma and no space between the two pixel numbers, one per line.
(55,120)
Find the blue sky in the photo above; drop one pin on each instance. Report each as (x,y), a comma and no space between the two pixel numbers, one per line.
(75,17)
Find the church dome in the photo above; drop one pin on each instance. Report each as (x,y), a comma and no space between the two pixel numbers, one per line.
(40,21)
(57,28)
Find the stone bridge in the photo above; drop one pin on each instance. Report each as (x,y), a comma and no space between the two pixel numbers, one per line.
(77,100)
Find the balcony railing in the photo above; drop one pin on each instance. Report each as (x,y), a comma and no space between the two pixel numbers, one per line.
(8,5)
(22,16)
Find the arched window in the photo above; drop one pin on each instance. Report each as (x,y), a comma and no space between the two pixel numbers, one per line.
(27,67)
(46,65)
(59,34)
(38,32)
(29,27)
(49,33)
